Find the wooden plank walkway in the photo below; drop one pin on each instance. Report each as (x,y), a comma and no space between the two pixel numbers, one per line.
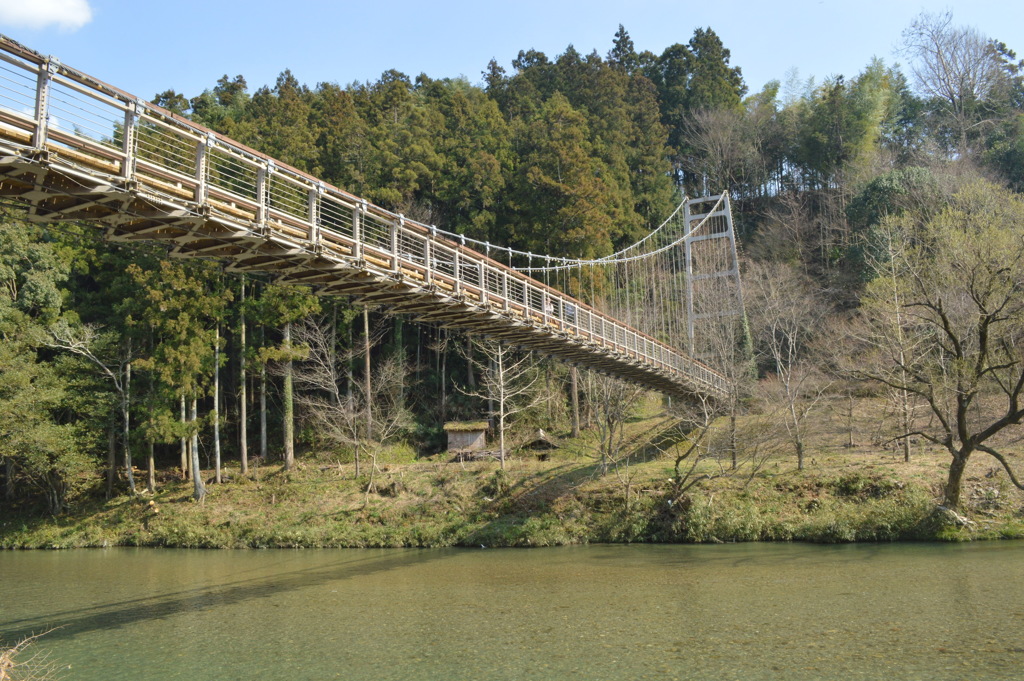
(143,173)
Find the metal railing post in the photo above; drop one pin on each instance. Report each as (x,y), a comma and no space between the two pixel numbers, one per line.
(313,209)
(128,142)
(504,291)
(263,192)
(458,271)
(42,112)
(202,151)
(482,274)
(396,225)
(428,255)
(357,229)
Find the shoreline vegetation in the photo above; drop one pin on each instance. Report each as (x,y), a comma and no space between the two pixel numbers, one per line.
(863,493)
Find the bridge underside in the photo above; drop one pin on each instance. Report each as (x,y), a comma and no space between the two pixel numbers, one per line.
(58,185)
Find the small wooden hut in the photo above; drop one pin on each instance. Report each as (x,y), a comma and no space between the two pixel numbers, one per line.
(541,443)
(466,436)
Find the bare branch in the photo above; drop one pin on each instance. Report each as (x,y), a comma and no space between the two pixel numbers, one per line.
(1006,464)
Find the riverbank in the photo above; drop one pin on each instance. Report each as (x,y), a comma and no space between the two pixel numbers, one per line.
(841,496)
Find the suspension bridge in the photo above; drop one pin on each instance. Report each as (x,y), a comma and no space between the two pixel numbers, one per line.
(73,148)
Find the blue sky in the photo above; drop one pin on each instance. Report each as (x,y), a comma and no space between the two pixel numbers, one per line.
(149,46)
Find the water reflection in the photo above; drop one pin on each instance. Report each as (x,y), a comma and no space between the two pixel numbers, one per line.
(197,583)
(604,612)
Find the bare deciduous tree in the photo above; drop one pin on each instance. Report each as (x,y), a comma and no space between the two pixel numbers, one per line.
(509,383)
(724,149)
(961,304)
(612,401)
(724,341)
(335,408)
(887,334)
(786,314)
(702,439)
(791,231)
(959,68)
(697,421)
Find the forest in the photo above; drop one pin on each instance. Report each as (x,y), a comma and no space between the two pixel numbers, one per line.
(881,226)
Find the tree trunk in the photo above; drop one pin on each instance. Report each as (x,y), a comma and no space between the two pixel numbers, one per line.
(399,340)
(498,361)
(849,420)
(906,412)
(334,352)
(263,412)
(111,461)
(216,406)
(8,478)
(243,407)
(289,404)
(54,499)
(419,354)
(908,418)
(501,438)
(186,465)
(126,424)
(588,405)
(954,481)
(547,389)
(470,378)
(366,378)
(444,377)
(574,387)
(608,446)
(198,488)
(151,470)
(495,366)
(349,371)
(798,440)
(732,437)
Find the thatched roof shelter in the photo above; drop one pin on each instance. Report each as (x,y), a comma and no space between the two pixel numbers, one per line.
(465,426)
(541,441)
(466,435)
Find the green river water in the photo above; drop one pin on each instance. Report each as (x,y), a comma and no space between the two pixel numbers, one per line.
(744,611)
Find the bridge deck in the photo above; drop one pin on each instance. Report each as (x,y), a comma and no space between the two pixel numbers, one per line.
(146,174)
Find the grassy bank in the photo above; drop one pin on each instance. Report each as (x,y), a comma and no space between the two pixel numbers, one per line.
(843,495)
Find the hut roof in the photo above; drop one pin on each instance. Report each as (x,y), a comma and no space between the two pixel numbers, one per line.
(541,440)
(465,426)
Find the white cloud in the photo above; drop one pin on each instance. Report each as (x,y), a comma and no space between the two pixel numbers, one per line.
(67,15)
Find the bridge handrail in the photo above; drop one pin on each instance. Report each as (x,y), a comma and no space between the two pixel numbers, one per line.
(165,155)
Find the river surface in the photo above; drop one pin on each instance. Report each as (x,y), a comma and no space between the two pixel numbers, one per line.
(744,611)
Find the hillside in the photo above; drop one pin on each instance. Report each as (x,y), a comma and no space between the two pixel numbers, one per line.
(879,220)
(860,493)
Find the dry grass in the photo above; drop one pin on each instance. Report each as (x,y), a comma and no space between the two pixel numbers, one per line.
(20,662)
(860,492)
